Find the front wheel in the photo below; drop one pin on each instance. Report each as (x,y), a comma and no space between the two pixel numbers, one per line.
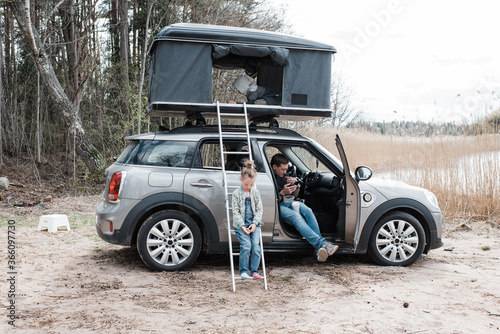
(398,239)
(168,241)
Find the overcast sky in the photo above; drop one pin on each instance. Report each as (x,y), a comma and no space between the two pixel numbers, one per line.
(410,59)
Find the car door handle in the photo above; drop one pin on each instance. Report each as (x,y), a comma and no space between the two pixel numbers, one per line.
(198,184)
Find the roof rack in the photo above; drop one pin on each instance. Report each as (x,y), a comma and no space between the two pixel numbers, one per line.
(256,113)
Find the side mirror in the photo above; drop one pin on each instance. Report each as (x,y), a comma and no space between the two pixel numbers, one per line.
(363,173)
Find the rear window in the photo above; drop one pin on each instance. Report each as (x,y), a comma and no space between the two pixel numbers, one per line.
(169,154)
(127,153)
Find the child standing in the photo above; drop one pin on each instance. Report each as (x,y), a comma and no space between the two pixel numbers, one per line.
(247,219)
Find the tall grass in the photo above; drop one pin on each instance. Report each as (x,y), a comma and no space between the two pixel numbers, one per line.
(463,172)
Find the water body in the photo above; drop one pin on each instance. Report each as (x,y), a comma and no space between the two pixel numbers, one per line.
(475,174)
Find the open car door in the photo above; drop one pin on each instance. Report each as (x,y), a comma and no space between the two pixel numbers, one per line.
(352,198)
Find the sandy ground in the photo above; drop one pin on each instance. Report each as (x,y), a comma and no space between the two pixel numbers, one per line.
(73,281)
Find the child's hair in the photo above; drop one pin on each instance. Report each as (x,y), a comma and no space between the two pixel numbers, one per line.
(248,169)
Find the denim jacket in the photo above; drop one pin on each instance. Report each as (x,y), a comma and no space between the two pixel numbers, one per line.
(238,205)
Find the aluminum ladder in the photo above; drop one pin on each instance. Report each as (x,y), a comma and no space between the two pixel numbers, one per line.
(223,154)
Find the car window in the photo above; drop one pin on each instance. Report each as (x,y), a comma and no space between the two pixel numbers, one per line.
(169,154)
(210,157)
(127,152)
(299,156)
(308,159)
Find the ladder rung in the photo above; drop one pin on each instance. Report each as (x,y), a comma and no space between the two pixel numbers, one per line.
(232,133)
(232,114)
(250,278)
(235,153)
(239,278)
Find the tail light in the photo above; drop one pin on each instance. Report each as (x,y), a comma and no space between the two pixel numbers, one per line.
(115,186)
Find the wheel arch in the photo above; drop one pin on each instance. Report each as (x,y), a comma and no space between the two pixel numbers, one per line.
(171,201)
(410,206)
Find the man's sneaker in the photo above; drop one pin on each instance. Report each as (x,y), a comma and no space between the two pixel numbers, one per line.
(330,248)
(244,276)
(322,254)
(256,276)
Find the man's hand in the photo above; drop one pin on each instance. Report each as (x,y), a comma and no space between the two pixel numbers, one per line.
(289,189)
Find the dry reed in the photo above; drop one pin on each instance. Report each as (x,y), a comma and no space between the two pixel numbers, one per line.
(463,172)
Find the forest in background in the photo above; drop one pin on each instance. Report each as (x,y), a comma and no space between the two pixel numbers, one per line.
(431,129)
(74,81)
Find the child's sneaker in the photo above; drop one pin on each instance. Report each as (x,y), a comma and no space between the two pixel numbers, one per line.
(244,276)
(256,276)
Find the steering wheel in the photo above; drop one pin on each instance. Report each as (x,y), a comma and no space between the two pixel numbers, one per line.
(316,175)
(310,179)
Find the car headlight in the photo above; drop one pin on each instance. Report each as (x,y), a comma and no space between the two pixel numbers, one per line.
(432,198)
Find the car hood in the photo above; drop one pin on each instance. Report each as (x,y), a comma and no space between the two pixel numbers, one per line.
(393,189)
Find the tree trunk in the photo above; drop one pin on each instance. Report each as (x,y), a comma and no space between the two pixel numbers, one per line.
(143,61)
(1,104)
(85,149)
(67,13)
(123,28)
(123,56)
(113,30)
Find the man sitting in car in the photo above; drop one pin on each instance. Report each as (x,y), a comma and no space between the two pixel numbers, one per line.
(303,220)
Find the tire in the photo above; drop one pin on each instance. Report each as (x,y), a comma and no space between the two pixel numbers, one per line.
(168,241)
(397,239)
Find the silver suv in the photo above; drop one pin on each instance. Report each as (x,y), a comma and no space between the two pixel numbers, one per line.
(165,195)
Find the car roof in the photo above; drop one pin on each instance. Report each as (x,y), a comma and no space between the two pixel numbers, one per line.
(196,133)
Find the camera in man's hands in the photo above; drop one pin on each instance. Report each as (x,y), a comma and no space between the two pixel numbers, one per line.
(298,182)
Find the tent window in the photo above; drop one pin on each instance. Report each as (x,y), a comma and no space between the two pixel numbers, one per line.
(278,55)
(265,64)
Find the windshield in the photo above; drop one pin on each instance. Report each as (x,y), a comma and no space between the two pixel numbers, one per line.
(329,155)
(310,161)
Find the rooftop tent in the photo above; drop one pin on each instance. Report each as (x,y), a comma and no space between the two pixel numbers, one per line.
(296,71)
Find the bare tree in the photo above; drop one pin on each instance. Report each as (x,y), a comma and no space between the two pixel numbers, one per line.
(1,103)
(124,55)
(69,109)
(12,141)
(346,110)
(143,60)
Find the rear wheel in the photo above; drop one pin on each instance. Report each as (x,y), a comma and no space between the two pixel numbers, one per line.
(169,240)
(398,239)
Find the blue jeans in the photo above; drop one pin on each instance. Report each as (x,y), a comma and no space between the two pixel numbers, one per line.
(305,223)
(249,250)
